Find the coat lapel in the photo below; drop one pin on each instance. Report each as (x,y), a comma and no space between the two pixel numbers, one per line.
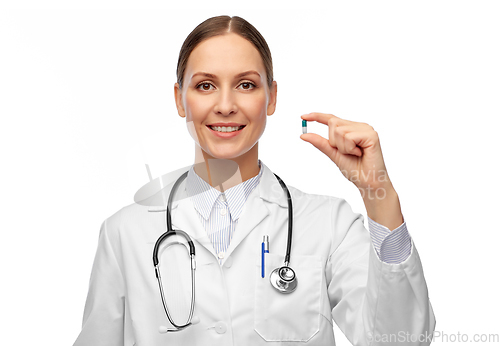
(184,215)
(255,209)
(254,212)
(185,218)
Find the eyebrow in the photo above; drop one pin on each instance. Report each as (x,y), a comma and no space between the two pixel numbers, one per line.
(239,75)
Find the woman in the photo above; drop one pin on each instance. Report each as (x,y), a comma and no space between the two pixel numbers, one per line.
(370,283)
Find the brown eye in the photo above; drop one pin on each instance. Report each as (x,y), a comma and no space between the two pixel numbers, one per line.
(204,86)
(247,86)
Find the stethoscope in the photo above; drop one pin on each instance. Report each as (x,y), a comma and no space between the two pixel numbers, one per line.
(283,279)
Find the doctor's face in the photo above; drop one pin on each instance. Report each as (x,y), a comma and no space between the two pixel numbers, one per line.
(225,86)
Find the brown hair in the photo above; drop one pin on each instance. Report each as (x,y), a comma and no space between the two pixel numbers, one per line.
(218,26)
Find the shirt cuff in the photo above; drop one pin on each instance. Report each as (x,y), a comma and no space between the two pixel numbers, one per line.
(391,247)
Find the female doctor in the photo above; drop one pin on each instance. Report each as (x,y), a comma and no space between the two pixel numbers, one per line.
(370,282)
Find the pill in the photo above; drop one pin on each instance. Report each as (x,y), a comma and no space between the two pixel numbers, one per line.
(304,126)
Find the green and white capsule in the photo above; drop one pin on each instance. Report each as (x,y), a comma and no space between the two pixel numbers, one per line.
(304,126)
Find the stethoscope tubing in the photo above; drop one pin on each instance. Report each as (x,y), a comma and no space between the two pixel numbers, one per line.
(193,290)
(192,253)
(290,220)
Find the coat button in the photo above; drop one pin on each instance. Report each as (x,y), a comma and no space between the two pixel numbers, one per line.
(220,327)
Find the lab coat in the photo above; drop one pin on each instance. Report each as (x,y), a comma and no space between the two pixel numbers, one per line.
(340,279)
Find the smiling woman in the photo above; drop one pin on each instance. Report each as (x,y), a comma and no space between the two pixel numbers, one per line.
(225,91)
(369,283)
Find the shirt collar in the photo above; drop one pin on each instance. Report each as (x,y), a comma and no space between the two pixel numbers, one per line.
(204,196)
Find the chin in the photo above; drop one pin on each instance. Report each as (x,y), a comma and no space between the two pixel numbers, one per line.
(225,154)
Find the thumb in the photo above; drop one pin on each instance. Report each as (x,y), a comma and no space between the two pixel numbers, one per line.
(321,143)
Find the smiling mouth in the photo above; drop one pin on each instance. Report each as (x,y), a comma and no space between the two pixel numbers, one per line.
(226,128)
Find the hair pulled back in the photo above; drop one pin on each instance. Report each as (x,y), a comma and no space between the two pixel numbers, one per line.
(218,26)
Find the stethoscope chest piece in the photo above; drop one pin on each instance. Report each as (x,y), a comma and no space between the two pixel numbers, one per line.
(283,279)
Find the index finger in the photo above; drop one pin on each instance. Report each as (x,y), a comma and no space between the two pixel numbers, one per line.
(325,118)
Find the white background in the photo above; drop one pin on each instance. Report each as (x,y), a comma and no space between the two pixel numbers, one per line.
(86,100)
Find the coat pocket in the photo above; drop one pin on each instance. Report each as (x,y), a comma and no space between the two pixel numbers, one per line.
(293,316)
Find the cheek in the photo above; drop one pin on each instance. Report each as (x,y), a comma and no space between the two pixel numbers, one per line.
(194,106)
(255,107)
(195,112)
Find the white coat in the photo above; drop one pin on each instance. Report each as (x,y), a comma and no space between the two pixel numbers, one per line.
(340,278)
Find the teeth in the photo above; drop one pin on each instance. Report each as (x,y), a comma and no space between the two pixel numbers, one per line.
(224,128)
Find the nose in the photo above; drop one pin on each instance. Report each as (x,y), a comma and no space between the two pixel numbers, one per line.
(226,102)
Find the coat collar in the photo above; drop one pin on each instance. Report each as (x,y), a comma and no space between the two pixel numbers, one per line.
(204,196)
(268,190)
(184,215)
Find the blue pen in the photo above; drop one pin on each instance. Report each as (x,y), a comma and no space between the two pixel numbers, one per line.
(265,249)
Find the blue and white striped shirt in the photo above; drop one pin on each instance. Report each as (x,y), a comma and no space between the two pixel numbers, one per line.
(219,213)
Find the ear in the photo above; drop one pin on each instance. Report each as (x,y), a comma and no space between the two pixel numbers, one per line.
(271,106)
(178,100)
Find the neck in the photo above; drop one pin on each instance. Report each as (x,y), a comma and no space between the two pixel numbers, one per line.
(223,174)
